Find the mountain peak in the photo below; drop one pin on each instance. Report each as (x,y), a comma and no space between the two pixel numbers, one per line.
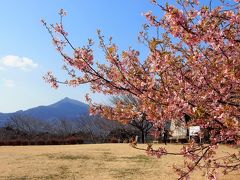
(68,100)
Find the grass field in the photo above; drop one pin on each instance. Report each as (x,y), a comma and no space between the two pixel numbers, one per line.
(92,161)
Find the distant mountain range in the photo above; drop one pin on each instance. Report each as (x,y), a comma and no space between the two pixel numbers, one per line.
(68,109)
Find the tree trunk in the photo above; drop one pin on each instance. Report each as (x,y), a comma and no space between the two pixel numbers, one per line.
(143,136)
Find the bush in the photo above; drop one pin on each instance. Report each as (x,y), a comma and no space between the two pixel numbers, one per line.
(41,139)
(52,142)
(24,142)
(113,140)
(80,141)
(2,143)
(71,140)
(14,142)
(32,143)
(40,142)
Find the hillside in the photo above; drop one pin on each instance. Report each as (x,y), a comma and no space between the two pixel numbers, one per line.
(66,108)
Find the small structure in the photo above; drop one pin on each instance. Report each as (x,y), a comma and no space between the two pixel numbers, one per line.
(155,141)
(193,133)
(136,138)
(178,131)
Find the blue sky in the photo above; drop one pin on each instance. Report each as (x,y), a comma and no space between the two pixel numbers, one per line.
(27,53)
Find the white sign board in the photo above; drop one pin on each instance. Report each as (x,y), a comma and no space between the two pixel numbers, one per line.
(193,130)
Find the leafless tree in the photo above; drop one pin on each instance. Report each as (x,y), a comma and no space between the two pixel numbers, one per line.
(141,122)
(25,124)
(65,127)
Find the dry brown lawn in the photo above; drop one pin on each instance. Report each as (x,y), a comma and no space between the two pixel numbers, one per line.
(91,161)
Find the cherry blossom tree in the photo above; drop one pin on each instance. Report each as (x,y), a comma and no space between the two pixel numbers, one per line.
(192,68)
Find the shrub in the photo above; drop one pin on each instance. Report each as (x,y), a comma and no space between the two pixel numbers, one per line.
(71,140)
(24,142)
(113,140)
(40,142)
(80,141)
(32,143)
(52,142)
(2,143)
